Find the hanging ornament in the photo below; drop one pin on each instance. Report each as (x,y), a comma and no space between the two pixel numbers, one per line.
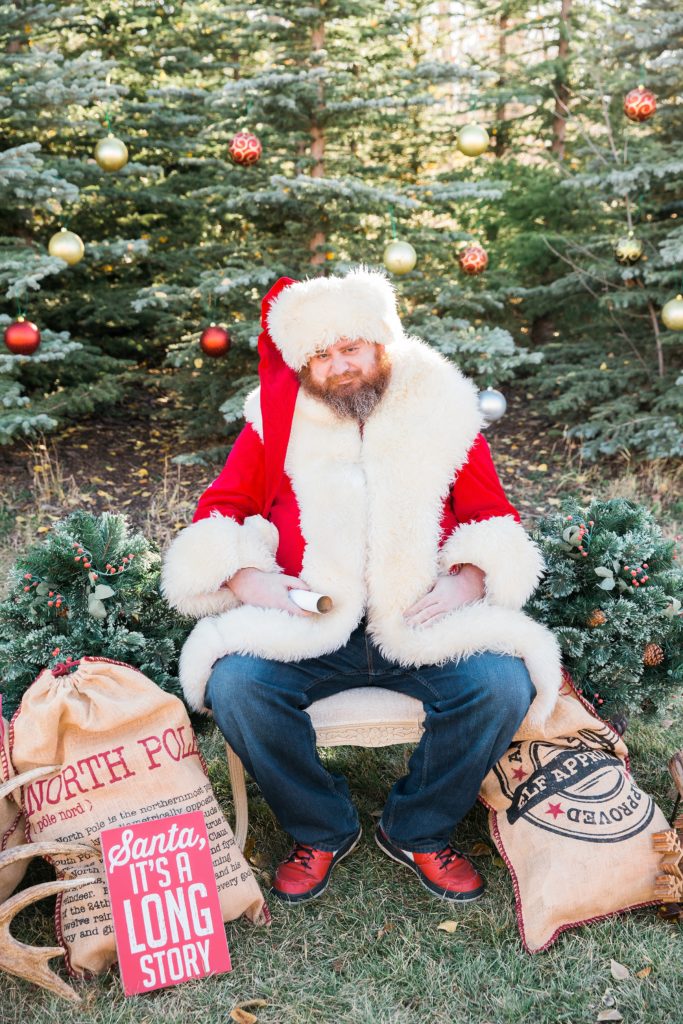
(399,257)
(672,314)
(22,337)
(492,404)
(653,655)
(111,153)
(473,259)
(628,250)
(67,245)
(596,618)
(473,140)
(245,148)
(214,341)
(640,104)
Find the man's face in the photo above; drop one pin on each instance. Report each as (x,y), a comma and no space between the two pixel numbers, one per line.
(350,376)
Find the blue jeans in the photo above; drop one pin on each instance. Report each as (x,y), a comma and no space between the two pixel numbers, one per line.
(473,710)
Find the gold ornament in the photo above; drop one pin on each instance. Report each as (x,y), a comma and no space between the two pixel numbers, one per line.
(672,314)
(473,140)
(399,257)
(596,618)
(68,246)
(628,250)
(653,655)
(111,153)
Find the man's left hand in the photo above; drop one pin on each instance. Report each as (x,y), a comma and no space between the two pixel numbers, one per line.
(448,593)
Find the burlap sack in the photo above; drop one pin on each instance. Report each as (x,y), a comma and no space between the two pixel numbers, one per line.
(11,820)
(571,824)
(128,754)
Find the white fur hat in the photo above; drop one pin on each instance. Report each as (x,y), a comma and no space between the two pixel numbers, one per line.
(312,315)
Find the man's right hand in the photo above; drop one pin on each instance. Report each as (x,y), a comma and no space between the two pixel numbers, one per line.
(266,589)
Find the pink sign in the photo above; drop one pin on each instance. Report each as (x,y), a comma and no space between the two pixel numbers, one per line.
(164,901)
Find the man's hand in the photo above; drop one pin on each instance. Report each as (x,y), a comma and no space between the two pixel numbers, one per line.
(266,589)
(448,593)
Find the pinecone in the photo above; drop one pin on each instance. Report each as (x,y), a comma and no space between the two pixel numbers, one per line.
(596,618)
(653,655)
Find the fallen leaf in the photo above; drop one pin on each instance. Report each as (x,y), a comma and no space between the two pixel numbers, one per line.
(387,927)
(243,1016)
(42,529)
(609,1015)
(644,973)
(259,859)
(481,850)
(666,723)
(338,965)
(247,1004)
(619,971)
(447,926)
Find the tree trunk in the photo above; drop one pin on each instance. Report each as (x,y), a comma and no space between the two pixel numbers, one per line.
(317,133)
(561,84)
(501,111)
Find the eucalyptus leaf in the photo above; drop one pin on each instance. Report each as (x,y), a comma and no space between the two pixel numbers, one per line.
(43,588)
(102,591)
(607,584)
(601,571)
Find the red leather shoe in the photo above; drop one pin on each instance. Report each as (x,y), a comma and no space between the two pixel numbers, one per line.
(305,873)
(446,873)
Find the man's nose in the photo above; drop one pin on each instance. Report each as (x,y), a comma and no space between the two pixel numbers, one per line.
(340,364)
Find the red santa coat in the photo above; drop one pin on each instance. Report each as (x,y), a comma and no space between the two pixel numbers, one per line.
(371,518)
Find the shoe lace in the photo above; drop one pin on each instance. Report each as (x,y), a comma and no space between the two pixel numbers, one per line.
(302,853)
(448,855)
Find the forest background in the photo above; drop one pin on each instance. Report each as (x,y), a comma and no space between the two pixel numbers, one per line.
(358,105)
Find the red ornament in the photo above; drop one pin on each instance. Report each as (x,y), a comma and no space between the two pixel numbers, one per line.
(22,337)
(473,259)
(245,148)
(640,104)
(215,341)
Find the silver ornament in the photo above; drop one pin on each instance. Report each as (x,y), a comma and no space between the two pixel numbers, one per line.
(492,404)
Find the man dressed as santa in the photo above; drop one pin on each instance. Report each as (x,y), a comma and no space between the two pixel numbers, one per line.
(361,474)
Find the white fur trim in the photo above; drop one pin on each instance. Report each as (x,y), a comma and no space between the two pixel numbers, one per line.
(313,314)
(503,549)
(370,511)
(210,551)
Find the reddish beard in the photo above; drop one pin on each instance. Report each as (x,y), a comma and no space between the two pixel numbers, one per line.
(352,395)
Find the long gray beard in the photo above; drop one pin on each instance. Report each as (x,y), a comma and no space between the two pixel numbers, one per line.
(357,404)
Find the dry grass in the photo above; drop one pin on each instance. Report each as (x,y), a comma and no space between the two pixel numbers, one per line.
(169,509)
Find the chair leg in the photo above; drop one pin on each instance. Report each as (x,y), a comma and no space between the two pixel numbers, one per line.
(239,796)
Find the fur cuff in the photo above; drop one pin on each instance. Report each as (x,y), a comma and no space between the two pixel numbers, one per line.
(503,549)
(210,551)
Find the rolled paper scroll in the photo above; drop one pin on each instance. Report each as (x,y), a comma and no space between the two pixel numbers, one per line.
(310,602)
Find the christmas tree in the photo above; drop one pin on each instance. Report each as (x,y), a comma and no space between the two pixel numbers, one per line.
(613,595)
(91,588)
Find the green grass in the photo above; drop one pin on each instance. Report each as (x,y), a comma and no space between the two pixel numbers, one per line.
(369,951)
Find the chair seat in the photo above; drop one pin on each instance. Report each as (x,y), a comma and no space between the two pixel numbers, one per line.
(367,717)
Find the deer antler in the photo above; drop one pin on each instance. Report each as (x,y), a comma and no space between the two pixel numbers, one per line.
(30,962)
(23,780)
